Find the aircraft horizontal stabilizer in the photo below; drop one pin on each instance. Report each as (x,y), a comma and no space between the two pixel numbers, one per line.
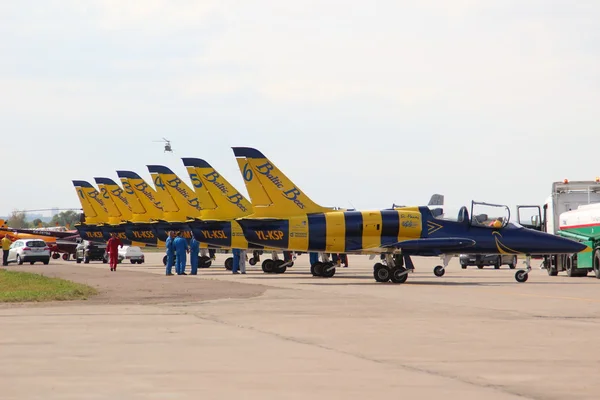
(433,244)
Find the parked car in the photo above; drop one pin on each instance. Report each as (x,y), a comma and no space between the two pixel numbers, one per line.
(90,251)
(29,250)
(131,253)
(482,260)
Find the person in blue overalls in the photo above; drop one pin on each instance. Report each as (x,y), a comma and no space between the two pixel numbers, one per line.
(194,251)
(181,247)
(170,253)
(314,258)
(236,260)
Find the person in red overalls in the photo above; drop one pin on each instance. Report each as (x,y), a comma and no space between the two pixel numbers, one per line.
(113,252)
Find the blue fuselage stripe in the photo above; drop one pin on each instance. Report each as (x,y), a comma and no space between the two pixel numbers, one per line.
(316,232)
(354,230)
(390,225)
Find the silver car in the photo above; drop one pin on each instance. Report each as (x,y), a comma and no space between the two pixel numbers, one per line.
(481,260)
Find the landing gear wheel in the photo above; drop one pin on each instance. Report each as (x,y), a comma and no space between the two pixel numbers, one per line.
(205,262)
(252,261)
(439,271)
(399,275)
(229,263)
(277,266)
(65,256)
(381,273)
(328,270)
(317,269)
(313,269)
(521,276)
(267,266)
(55,255)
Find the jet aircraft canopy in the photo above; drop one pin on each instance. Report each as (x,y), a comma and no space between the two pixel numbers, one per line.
(484,215)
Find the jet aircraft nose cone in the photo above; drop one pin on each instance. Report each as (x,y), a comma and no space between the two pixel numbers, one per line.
(560,245)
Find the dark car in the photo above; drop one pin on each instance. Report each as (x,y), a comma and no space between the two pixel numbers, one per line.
(90,251)
(481,260)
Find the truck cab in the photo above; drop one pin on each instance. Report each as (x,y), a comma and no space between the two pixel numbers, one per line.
(572,210)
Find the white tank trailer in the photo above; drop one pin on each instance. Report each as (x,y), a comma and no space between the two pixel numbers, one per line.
(573,211)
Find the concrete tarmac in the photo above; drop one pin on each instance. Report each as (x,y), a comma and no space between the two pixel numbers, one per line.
(472,334)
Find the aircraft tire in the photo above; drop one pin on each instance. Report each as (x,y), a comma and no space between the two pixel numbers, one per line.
(252,261)
(521,276)
(397,276)
(267,266)
(381,273)
(439,271)
(317,269)
(204,262)
(278,268)
(65,256)
(328,270)
(55,255)
(229,263)
(313,271)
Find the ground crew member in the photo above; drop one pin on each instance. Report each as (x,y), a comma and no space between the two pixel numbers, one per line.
(236,261)
(170,253)
(194,251)
(6,242)
(181,247)
(314,258)
(112,248)
(242,262)
(211,254)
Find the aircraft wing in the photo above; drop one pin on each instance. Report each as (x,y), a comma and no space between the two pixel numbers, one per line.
(437,244)
(50,234)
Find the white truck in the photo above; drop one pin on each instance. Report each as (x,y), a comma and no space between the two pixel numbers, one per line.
(572,210)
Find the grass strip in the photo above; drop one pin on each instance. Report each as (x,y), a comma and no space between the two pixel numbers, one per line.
(27,287)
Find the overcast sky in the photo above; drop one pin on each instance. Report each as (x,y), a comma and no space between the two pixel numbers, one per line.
(361,103)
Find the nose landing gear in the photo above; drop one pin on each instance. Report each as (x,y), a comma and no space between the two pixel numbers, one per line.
(522,275)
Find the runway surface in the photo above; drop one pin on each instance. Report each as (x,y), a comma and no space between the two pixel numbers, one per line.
(472,334)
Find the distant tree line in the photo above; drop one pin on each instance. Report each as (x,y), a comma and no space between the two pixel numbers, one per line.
(18,219)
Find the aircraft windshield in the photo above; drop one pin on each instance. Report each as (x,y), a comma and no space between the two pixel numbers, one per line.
(489,215)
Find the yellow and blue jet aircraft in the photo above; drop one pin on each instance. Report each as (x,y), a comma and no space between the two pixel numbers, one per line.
(302,225)
(210,213)
(218,226)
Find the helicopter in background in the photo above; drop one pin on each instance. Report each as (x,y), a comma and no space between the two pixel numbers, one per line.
(167,142)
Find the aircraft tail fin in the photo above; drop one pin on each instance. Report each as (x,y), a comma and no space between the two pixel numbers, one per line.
(227,202)
(94,210)
(279,197)
(171,186)
(436,200)
(146,195)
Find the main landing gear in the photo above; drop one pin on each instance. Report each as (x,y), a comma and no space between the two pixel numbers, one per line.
(276,265)
(522,275)
(325,268)
(394,269)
